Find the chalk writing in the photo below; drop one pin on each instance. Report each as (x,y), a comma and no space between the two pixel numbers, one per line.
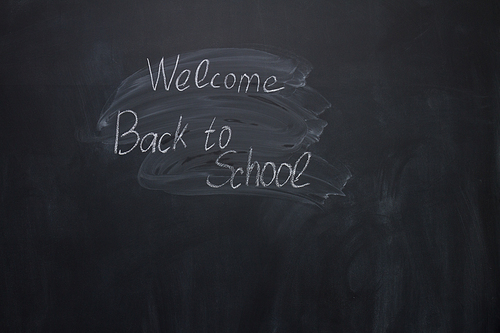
(154,142)
(230,79)
(293,176)
(222,121)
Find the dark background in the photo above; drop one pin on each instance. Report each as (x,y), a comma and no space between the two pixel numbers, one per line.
(412,247)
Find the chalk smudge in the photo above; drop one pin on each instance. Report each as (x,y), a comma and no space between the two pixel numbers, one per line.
(277,126)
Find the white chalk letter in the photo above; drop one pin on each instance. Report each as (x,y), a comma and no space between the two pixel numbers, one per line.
(271,84)
(130,131)
(290,172)
(295,177)
(250,166)
(234,80)
(163,151)
(228,129)
(196,80)
(262,181)
(249,79)
(223,165)
(209,131)
(212,81)
(183,86)
(161,70)
(152,145)
(178,137)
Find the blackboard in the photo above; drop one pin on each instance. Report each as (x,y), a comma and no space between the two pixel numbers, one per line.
(249,166)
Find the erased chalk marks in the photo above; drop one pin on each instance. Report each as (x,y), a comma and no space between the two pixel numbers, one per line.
(224,121)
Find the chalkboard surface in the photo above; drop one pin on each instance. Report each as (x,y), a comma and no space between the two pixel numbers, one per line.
(250,166)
